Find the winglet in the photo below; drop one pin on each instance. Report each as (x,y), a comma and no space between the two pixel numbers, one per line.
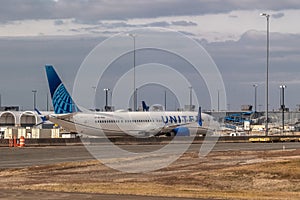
(199,117)
(61,99)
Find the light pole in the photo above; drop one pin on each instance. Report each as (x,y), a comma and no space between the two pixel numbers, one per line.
(282,105)
(191,100)
(94,102)
(134,89)
(255,96)
(47,102)
(218,101)
(267,73)
(106,98)
(298,105)
(165,100)
(228,107)
(34,99)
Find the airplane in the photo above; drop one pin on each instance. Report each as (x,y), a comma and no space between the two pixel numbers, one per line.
(145,107)
(120,123)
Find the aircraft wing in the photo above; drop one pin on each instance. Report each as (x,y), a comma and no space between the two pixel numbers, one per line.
(68,115)
(61,116)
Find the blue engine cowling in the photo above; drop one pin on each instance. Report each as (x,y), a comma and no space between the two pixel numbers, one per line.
(181,131)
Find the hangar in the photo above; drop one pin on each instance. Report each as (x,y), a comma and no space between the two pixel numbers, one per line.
(28,124)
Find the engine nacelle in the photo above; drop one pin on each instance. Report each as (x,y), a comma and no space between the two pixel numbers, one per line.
(181,131)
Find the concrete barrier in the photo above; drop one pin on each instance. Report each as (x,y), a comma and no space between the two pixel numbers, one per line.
(131,140)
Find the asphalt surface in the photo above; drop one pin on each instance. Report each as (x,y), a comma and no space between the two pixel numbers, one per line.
(37,195)
(33,156)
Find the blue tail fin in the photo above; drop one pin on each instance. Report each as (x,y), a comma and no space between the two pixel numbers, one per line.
(145,107)
(199,117)
(61,99)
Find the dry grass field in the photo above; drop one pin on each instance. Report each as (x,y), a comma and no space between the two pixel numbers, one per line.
(220,175)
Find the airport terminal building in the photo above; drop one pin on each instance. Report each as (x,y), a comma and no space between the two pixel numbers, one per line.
(30,125)
(25,123)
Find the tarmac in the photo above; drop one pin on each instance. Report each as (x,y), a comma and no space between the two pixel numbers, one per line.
(37,195)
(32,156)
(11,158)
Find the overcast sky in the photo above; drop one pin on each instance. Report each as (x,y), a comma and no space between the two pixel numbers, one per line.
(61,32)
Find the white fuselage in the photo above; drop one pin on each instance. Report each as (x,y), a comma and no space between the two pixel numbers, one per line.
(130,123)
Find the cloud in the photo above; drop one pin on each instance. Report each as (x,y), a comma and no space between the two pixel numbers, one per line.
(124,24)
(278,15)
(184,23)
(243,63)
(240,62)
(89,22)
(248,53)
(233,16)
(91,11)
(187,33)
(158,24)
